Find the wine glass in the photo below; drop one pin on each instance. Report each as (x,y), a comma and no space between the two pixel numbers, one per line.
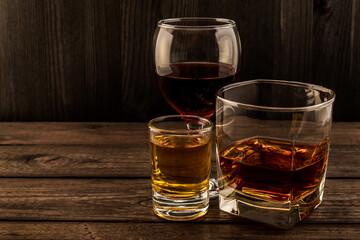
(194,58)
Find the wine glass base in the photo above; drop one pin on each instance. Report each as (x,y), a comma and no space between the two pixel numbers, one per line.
(213,188)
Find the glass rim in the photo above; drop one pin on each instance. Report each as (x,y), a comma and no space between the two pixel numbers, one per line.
(180,132)
(223,23)
(278,109)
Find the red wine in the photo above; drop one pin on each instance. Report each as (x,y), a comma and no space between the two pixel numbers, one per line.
(191,86)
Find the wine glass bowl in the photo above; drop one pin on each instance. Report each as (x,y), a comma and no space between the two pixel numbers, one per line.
(195,57)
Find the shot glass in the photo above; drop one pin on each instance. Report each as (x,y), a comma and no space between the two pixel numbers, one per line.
(180,153)
(272,149)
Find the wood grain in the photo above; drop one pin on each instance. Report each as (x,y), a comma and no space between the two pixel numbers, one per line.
(108,133)
(293,39)
(91,60)
(354,59)
(112,149)
(91,181)
(130,200)
(331,53)
(119,161)
(191,230)
(72,134)
(254,23)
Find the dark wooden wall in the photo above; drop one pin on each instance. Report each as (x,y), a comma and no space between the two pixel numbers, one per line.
(91,60)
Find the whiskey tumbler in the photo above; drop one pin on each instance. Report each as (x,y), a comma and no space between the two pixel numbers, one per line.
(272,142)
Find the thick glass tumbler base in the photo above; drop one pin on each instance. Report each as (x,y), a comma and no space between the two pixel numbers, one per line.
(181,209)
(283,215)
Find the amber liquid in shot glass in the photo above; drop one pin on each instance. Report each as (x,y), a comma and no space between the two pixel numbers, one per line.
(180,165)
(180,154)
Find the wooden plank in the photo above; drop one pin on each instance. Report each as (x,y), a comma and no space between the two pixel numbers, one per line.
(62,133)
(292,45)
(354,59)
(257,45)
(345,133)
(255,26)
(80,60)
(130,200)
(91,60)
(112,149)
(101,133)
(190,230)
(331,54)
(344,162)
(123,160)
(141,96)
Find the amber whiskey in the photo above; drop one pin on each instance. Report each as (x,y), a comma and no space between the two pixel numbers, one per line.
(274,170)
(180,164)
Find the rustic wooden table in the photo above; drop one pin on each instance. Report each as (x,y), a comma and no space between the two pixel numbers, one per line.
(92,181)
